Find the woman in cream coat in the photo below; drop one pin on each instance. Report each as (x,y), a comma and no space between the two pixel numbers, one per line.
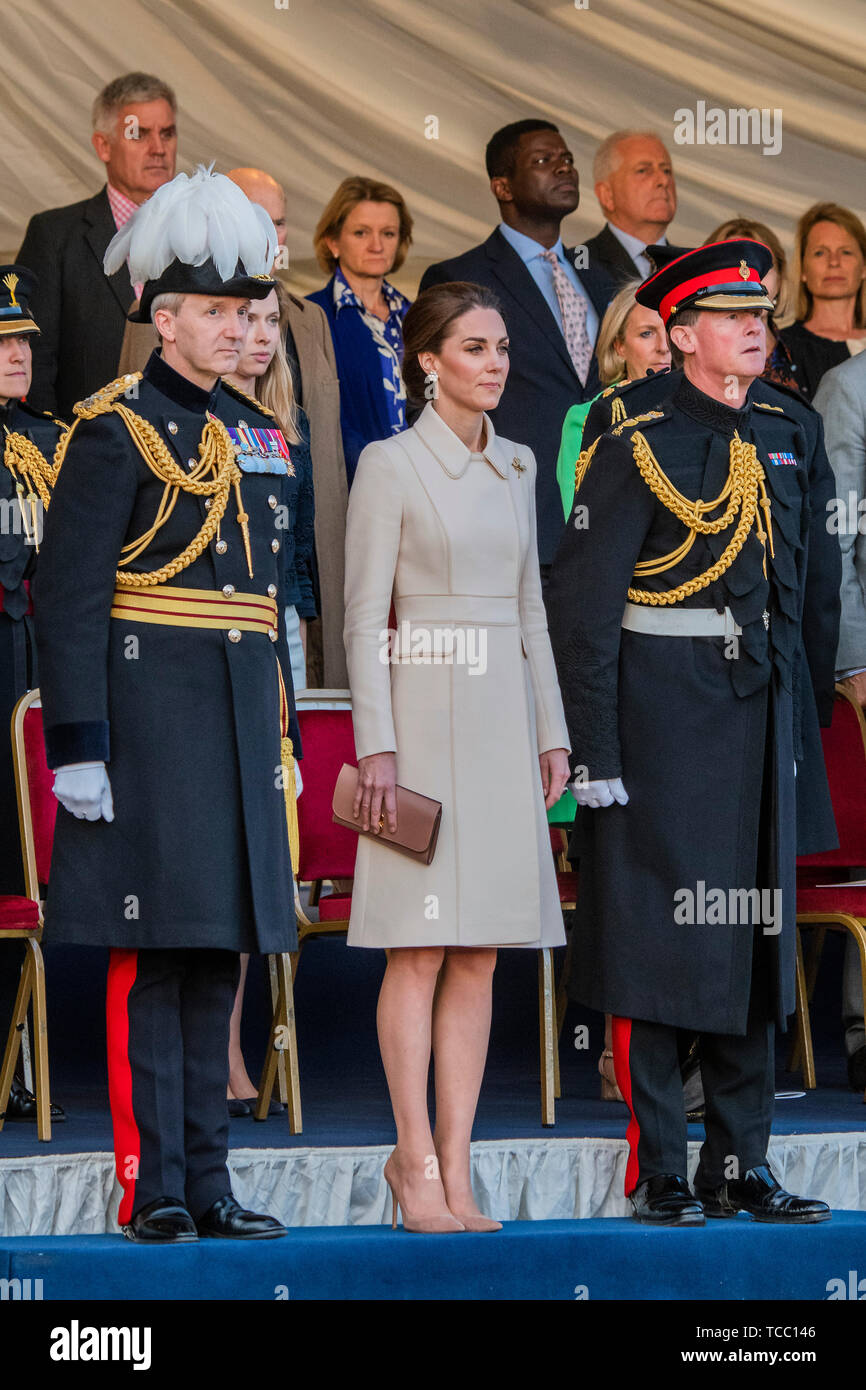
(460,703)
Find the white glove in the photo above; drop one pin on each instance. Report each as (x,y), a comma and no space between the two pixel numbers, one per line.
(299,781)
(603,793)
(85,791)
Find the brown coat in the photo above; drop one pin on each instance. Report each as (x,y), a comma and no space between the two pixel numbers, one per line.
(321,392)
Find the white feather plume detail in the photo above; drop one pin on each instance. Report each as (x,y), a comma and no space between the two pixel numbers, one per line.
(205,217)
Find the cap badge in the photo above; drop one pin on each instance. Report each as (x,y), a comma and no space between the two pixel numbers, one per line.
(11,281)
(743,271)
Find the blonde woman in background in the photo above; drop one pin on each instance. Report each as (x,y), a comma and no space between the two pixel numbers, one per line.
(263,371)
(631,341)
(779,367)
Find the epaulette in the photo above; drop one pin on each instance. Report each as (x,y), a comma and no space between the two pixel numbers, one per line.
(765,405)
(103,399)
(246,398)
(621,387)
(638,420)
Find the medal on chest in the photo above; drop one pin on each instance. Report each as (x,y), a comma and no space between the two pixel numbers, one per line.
(260,450)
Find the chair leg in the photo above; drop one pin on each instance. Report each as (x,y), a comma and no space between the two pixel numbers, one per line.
(13,1040)
(860,938)
(816,947)
(281,1063)
(40,1044)
(804,1027)
(547,1031)
(283,1040)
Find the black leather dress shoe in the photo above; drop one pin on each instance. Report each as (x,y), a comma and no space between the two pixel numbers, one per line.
(758,1193)
(164,1221)
(666,1200)
(22,1104)
(274,1106)
(228,1219)
(237,1108)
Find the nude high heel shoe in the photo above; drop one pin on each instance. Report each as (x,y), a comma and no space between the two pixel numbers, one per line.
(431,1225)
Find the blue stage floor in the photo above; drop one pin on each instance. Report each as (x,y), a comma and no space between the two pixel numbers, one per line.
(592,1260)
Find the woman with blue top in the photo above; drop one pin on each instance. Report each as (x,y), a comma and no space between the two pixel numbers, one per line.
(263,372)
(363,235)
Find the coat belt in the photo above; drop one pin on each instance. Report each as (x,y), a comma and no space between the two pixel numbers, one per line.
(174,606)
(680,622)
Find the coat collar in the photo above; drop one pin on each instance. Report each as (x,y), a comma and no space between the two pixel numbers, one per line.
(450,451)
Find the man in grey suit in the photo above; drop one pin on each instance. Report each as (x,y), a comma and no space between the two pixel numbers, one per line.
(841,399)
(635,187)
(82,311)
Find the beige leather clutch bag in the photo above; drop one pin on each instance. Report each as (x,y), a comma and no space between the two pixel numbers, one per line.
(418,817)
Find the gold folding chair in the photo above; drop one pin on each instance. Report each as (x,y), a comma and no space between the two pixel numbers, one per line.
(22,918)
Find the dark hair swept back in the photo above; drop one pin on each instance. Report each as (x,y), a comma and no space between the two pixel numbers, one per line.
(429,322)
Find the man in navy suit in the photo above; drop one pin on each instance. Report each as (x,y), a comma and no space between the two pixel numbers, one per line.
(547,308)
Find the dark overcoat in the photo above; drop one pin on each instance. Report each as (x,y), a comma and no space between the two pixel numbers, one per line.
(17,650)
(816,829)
(186,719)
(704,732)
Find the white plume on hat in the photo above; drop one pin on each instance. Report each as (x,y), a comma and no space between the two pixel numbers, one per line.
(192,220)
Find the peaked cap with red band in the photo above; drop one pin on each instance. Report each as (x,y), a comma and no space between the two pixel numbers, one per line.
(723,275)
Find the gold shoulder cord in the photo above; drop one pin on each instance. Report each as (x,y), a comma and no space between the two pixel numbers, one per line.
(29,467)
(745,491)
(214,476)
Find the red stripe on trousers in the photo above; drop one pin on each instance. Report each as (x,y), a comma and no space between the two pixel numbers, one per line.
(620,1044)
(122,969)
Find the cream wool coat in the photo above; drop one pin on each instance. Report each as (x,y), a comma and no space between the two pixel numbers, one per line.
(453,536)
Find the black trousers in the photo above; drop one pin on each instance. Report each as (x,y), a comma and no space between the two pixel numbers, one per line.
(167,1014)
(739,1089)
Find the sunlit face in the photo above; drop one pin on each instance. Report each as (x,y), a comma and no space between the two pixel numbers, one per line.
(205,337)
(15,367)
(140,156)
(641,187)
(473,362)
(643,343)
(262,336)
(833,266)
(368,240)
(725,343)
(544,181)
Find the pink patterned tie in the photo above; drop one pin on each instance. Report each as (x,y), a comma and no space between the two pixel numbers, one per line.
(572,307)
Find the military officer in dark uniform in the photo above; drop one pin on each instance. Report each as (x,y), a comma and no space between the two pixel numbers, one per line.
(696,554)
(169,710)
(28,440)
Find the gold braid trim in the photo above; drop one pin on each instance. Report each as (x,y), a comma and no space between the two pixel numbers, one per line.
(746,490)
(27,464)
(214,476)
(584,459)
(617,410)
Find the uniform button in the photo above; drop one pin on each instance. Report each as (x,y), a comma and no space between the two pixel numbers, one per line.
(172,427)
(242,424)
(234,634)
(221,547)
(208,503)
(272,591)
(272,633)
(228,590)
(191,463)
(272,501)
(275,545)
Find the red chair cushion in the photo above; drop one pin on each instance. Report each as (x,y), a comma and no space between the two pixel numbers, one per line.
(567,885)
(327,850)
(18,914)
(845,761)
(334,909)
(836,899)
(43,803)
